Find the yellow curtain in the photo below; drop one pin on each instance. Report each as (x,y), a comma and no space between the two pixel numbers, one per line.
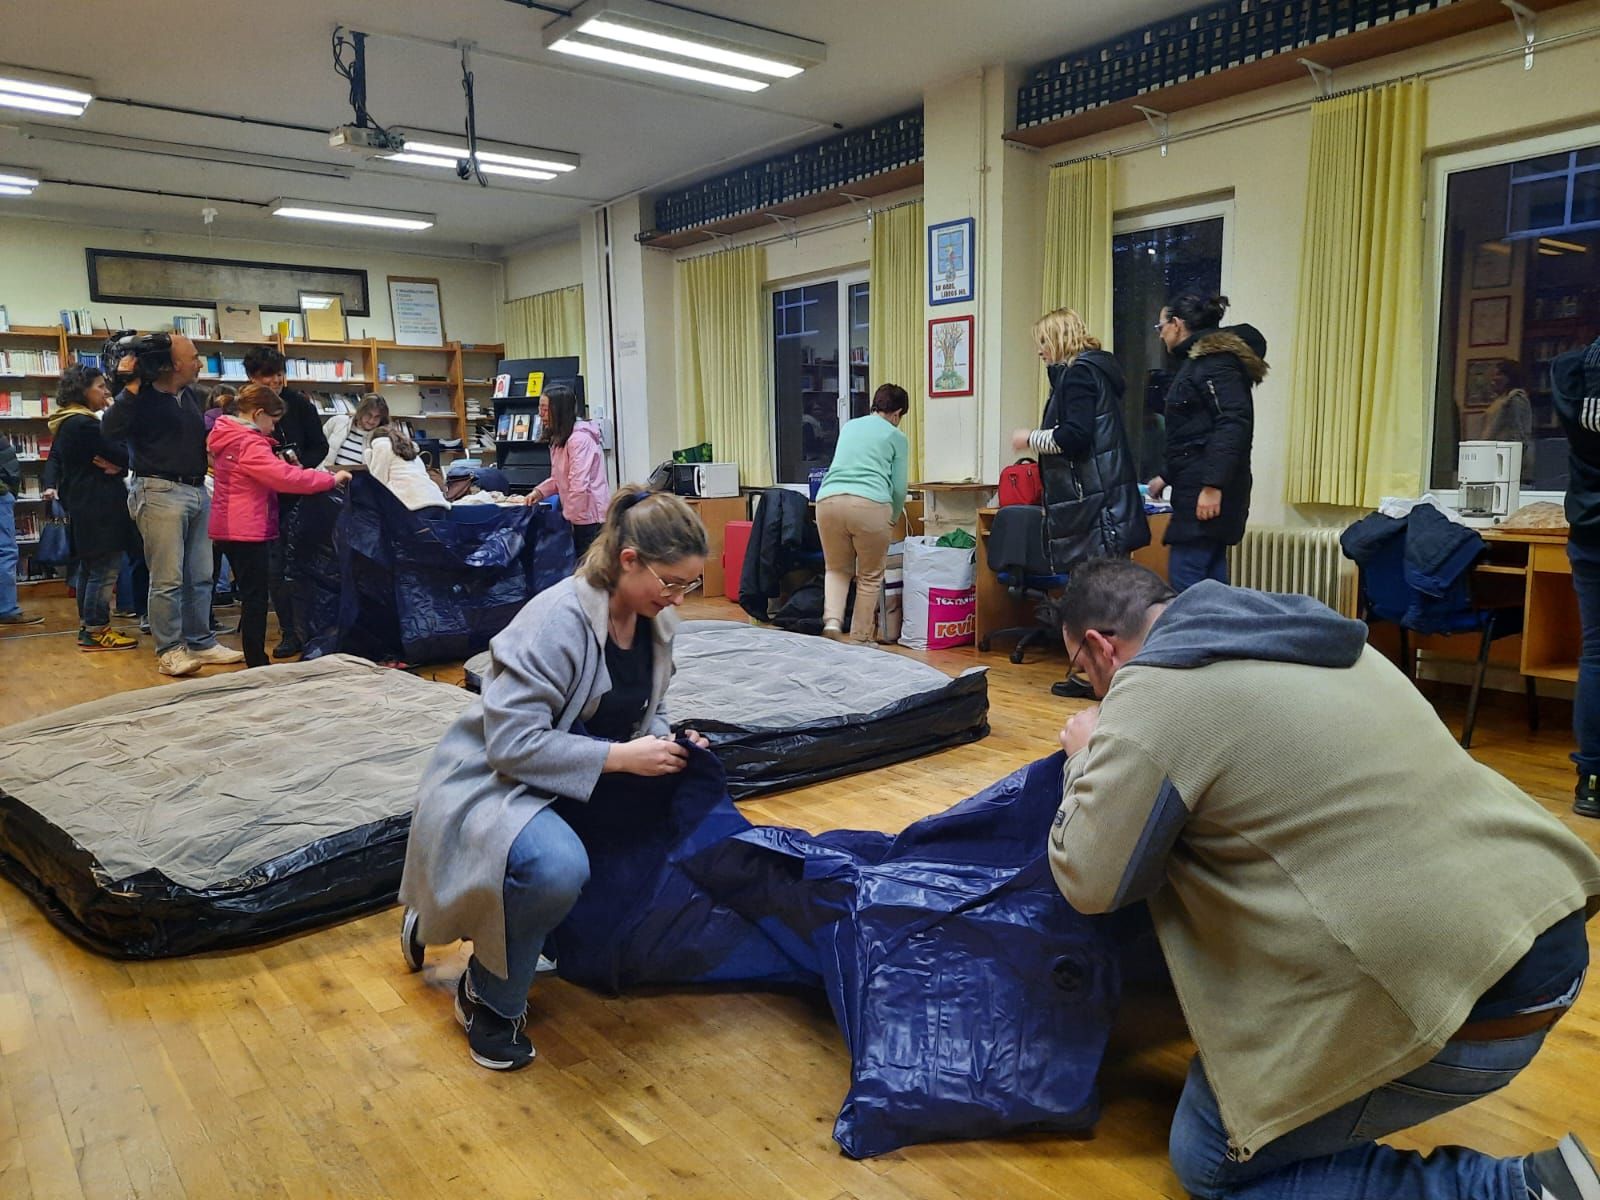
(723,396)
(1077,243)
(1359,412)
(897,338)
(549,325)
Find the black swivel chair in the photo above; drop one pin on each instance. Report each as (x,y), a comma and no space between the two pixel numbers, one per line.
(1015,553)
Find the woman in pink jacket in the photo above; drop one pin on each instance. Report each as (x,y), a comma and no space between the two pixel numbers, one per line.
(244,504)
(577,467)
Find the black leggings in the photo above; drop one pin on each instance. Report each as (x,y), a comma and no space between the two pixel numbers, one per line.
(250,578)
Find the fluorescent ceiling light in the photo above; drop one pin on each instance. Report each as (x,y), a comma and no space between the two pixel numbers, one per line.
(657,66)
(443,150)
(666,39)
(17,182)
(683,48)
(344,214)
(1560,245)
(39,91)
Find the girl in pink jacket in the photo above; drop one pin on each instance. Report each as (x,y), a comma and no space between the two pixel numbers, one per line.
(244,503)
(577,467)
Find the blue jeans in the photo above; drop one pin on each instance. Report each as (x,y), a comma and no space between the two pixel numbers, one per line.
(545,870)
(1586,703)
(1190,562)
(95,581)
(133,586)
(1337,1155)
(172,519)
(8,556)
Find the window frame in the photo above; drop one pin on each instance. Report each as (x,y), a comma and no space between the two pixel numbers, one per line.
(1434,228)
(844,277)
(1183,214)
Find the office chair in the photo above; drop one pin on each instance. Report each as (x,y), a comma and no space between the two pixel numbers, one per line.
(1015,553)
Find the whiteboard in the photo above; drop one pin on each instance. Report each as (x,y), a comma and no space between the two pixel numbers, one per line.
(416,311)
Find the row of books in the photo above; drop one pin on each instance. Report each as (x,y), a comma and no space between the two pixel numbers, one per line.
(222,366)
(78,320)
(31,445)
(15,404)
(195,327)
(28,525)
(820,167)
(30,362)
(321,369)
(1200,42)
(519,427)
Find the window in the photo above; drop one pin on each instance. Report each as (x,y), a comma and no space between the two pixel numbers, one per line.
(1152,260)
(1519,284)
(819,370)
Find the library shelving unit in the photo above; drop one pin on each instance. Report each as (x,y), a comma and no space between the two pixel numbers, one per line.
(473,370)
(30,369)
(420,384)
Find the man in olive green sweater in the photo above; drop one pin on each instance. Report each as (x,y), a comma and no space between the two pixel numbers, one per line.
(1366,928)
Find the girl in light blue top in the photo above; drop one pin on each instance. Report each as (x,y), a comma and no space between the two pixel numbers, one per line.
(859,502)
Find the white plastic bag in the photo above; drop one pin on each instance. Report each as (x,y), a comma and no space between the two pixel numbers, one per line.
(940,604)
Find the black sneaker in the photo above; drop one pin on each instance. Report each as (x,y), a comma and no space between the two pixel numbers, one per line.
(495,1042)
(1586,797)
(289,648)
(1073,688)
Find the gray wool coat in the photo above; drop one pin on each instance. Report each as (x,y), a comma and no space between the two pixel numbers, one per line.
(509,756)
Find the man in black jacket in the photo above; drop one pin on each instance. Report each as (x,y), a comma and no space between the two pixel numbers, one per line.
(1210,425)
(301,441)
(1575,382)
(161,421)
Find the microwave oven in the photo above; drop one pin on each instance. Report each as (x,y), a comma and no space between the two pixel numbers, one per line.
(705,479)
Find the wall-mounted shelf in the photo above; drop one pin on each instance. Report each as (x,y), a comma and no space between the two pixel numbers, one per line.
(876,185)
(1464,16)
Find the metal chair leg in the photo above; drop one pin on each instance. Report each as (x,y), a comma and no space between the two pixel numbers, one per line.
(1477,684)
(1532,692)
(1408,664)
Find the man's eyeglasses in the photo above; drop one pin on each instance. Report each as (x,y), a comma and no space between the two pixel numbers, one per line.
(1072,667)
(672,589)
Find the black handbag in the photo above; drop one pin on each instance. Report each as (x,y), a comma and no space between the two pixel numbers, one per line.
(55,538)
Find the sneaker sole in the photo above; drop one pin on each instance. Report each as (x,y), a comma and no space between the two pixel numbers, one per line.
(97,649)
(410,948)
(1580,1166)
(488,1064)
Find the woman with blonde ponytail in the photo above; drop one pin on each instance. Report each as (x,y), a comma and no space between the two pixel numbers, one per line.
(575,690)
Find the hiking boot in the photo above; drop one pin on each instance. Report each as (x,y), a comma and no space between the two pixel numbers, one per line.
(1586,797)
(1565,1172)
(495,1042)
(216,655)
(105,639)
(177,662)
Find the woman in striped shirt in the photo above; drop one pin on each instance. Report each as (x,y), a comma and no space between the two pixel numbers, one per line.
(349,433)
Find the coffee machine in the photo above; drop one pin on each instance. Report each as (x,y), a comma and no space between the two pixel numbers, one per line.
(1489,481)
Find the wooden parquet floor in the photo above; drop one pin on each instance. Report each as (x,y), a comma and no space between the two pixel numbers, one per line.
(317,1067)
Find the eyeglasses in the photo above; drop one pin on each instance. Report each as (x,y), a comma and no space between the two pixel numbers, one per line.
(1072,667)
(671,589)
(1161,324)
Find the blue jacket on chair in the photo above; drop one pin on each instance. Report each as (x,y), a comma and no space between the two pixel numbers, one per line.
(1416,572)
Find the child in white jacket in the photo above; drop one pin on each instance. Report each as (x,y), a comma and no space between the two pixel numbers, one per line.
(393,459)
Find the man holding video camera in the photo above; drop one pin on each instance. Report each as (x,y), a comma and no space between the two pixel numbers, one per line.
(161,421)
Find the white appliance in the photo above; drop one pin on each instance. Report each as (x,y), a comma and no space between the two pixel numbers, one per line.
(705,480)
(1489,481)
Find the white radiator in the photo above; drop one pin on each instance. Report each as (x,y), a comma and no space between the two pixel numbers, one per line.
(1304,561)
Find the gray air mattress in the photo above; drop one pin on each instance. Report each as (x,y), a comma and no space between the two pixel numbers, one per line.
(209,814)
(784,710)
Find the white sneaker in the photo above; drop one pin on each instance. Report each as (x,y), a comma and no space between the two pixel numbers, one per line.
(216,653)
(177,662)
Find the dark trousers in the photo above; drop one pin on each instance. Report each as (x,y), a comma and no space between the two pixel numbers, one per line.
(283,591)
(133,586)
(251,575)
(1190,562)
(1586,702)
(583,537)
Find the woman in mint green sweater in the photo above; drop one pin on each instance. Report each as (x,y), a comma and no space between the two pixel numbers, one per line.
(859,502)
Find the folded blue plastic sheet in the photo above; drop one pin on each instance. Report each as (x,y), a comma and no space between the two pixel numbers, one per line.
(973,999)
(378,580)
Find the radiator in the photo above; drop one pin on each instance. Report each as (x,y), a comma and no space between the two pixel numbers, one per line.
(1305,561)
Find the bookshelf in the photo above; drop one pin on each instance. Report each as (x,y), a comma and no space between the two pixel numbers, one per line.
(30,369)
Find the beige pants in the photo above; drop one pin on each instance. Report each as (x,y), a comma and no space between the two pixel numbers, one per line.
(855,540)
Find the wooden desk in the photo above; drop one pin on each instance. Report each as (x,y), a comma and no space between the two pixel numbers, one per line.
(1535,564)
(997,610)
(714,514)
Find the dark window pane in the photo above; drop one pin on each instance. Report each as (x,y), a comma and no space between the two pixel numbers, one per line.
(1538,205)
(806,378)
(1586,198)
(1540,166)
(1589,157)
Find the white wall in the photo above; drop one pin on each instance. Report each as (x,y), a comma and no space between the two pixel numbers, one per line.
(42,270)
(544,266)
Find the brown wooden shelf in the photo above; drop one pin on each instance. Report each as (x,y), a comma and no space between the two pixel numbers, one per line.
(876,185)
(1464,16)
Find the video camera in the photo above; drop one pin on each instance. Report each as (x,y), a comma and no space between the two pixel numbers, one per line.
(151,354)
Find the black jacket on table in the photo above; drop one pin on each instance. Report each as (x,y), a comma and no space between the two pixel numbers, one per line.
(784,532)
(300,430)
(164,434)
(1092,504)
(1575,385)
(96,502)
(1210,423)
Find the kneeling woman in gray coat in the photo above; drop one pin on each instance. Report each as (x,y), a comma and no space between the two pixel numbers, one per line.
(576,689)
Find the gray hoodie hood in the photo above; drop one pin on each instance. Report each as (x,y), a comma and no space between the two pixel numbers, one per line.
(1212,623)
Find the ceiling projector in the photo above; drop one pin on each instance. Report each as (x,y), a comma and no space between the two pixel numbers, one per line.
(366,140)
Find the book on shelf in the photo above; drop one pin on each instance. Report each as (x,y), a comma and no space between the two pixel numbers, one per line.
(502,428)
(31,446)
(320,370)
(195,326)
(77,321)
(30,362)
(502,386)
(521,427)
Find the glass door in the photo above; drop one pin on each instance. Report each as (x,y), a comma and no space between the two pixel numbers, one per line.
(819,370)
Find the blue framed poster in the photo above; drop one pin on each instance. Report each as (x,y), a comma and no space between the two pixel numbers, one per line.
(950,262)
